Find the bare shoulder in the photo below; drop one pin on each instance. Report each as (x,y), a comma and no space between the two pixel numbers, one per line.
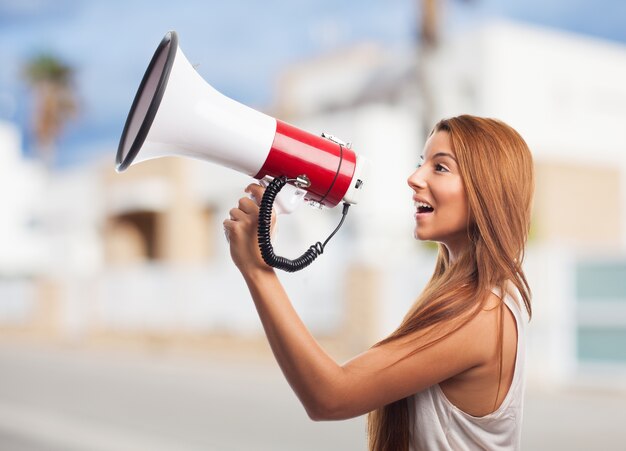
(479,390)
(482,329)
(471,342)
(494,318)
(493,301)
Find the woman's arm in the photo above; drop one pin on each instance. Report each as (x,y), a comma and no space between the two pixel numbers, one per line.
(373,379)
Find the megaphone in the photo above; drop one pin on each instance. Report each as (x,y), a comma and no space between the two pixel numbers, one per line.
(177,113)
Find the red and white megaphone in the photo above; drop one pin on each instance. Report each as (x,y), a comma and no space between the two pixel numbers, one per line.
(176,113)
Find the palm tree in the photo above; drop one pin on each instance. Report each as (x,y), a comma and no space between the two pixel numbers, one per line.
(55,100)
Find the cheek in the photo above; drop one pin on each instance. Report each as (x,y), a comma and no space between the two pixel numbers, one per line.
(454,203)
(462,201)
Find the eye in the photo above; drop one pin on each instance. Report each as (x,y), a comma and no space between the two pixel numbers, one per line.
(440,168)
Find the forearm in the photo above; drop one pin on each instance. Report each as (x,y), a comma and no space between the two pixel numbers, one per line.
(313,375)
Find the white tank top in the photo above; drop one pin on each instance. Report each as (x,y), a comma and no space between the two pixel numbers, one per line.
(440,425)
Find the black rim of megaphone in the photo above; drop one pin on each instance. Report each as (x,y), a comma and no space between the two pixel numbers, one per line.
(170,38)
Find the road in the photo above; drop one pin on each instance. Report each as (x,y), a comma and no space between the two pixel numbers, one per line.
(55,399)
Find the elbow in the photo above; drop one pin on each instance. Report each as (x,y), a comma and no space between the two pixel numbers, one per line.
(318,414)
(332,401)
(327,411)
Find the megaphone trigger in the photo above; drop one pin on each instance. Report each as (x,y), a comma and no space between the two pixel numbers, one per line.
(288,199)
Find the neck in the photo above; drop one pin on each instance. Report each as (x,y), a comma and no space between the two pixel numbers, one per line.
(457,247)
(453,254)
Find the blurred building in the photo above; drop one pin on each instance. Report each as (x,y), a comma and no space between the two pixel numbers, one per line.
(141,254)
(22,256)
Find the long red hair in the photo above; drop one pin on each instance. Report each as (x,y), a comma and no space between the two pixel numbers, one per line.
(496,167)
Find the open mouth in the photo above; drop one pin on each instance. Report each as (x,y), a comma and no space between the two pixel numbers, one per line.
(423,207)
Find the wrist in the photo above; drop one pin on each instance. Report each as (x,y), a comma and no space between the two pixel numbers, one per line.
(257,273)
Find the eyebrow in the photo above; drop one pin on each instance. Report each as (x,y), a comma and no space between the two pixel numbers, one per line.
(440,154)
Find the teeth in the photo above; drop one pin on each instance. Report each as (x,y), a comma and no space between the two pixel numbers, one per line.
(419,204)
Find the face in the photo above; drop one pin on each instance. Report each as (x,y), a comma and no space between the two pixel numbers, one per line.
(441,207)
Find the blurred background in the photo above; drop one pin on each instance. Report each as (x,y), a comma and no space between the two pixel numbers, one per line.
(123,323)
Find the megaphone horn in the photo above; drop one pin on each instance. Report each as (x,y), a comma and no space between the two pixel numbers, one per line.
(176,112)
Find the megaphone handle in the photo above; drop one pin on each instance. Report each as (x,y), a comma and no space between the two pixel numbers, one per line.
(265,243)
(287,200)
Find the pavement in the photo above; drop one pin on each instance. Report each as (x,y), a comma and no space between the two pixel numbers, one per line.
(72,399)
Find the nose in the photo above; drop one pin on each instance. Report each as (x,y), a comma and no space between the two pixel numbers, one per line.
(416,180)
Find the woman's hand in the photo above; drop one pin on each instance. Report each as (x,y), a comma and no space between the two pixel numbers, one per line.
(241,231)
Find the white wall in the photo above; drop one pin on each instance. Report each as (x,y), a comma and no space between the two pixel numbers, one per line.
(21,189)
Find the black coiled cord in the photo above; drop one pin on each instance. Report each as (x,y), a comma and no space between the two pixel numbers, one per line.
(265,243)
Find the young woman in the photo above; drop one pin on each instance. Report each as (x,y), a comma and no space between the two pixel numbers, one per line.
(451,376)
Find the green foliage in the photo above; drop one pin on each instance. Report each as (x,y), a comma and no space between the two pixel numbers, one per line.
(48,68)
(54,96)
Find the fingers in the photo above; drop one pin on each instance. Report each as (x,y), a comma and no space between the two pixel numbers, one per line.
(237,223)
(256,192)
(248,206)
(229,226)
(236,214)
(247,209)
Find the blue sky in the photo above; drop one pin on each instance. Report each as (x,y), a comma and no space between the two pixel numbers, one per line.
(240,46)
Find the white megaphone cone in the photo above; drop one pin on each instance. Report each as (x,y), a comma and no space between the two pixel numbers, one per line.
(175,112)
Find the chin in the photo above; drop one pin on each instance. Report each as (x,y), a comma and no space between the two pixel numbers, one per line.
(421,236)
